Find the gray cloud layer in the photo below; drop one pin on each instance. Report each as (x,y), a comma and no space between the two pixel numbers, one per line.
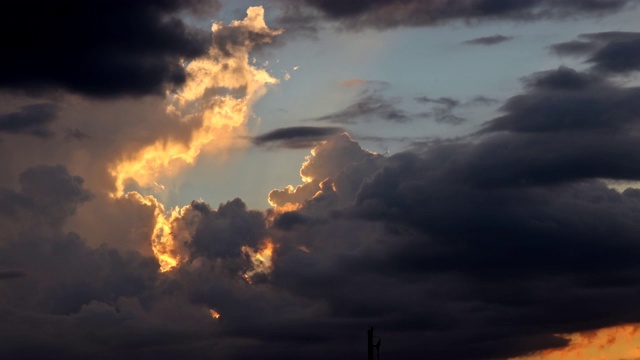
(383,14)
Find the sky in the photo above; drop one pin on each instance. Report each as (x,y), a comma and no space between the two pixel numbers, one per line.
(218,179)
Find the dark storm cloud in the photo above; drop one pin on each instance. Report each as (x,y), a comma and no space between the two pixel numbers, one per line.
(394,13)
(575,48)
(48,192)
(298,21)
(608,52)
(221,233)
(66,279)
(98,48)
(66,273)
(482,247)
(30,119)
(510,231)
(563,79)
(488,40)
(296,137)
(289,219)
(565,100)
(230,38)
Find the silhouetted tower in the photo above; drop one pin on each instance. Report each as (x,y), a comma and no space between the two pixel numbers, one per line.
(370,345)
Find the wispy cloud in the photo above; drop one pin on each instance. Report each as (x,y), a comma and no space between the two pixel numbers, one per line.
(488,40)
(297,137)
(30,119)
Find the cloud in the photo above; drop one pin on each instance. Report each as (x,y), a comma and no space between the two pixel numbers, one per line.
(446,244)
(382,14)
(369,107)
(328,161)
(211,116)
(223,232)
(488,40)
(11,274)
(371,104)
(75,134)
(469,227)
(445,106)
(608,52)
(443,113)
(48,193)
(100,50)
(296,137)
(481,247)
(30,119)
(482,100)
(564,101)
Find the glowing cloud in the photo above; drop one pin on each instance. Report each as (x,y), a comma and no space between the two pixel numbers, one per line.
(214,314)
(215,102)
(163,242)
(261,260)
(216,99)
(318,172)
(619,342)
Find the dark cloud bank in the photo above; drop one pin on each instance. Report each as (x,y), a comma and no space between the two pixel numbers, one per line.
(612,52)
(475,248)
(384,14)
(98,48)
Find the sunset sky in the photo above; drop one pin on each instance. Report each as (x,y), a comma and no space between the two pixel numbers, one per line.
(219,179)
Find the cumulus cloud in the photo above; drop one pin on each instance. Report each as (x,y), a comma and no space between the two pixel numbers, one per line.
(320,172)
(482,247)
(48,194)
(453,224)
(445,249)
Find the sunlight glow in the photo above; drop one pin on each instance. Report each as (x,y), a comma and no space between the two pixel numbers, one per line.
(613,343)
(216,100)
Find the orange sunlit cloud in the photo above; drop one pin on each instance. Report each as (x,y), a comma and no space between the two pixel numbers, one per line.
(214,314)
(223,116)
(613,343)
(261,260)
(223,119)
(163,243)
(353,82)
